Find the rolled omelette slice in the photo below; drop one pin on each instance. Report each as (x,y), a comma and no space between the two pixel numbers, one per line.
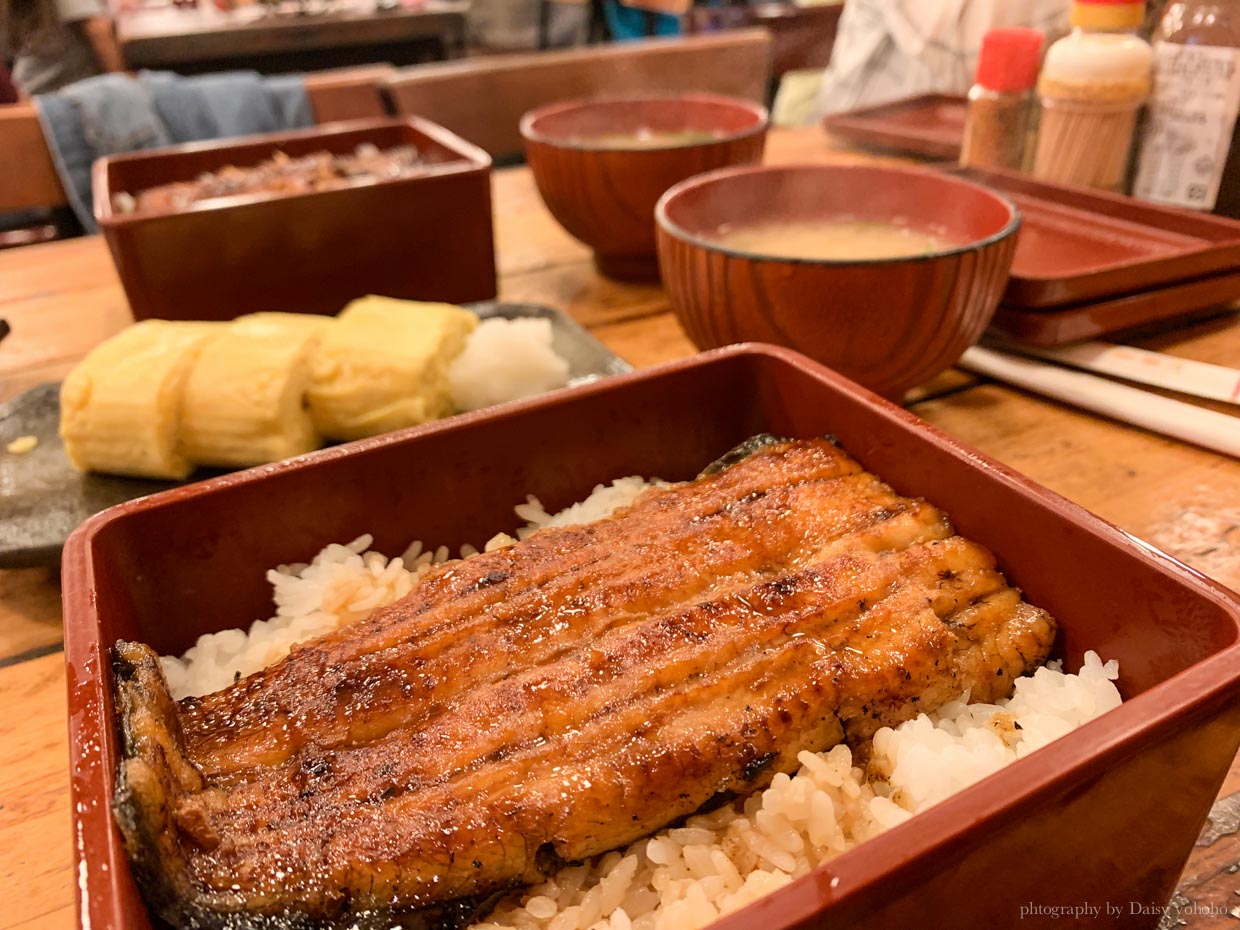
(293,324)
(119,408)
(383,366)
(245,399)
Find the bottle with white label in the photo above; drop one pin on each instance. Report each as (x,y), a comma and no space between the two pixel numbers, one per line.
(1190,155)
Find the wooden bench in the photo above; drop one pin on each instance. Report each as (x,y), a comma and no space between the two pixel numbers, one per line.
(483,99)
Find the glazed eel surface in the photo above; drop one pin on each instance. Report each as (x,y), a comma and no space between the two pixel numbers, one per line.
(564,696)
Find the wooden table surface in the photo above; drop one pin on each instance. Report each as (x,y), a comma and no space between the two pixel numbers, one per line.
(63,298)
(168,36)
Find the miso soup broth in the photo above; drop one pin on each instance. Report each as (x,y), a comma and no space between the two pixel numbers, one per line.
(834,240)
(650,138)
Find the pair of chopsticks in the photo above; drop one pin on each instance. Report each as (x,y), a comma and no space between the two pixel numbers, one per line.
(1174,418)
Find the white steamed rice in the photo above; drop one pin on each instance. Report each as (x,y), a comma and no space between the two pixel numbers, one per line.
(685,877)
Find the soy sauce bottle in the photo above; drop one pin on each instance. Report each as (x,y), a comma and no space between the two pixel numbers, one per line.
(1190,154)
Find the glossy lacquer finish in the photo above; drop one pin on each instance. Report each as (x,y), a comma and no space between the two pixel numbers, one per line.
(930,125)
(605,194)
(1106,815)
(889,324)
(1079,245)
(426,236)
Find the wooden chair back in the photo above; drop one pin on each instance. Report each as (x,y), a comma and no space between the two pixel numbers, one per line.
(28,179)
(349,93)
(483,99)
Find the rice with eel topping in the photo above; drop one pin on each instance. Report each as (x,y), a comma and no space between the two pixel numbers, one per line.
(687,876)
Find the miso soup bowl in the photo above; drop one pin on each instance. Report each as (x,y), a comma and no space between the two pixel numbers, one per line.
(604,191)
(889,324)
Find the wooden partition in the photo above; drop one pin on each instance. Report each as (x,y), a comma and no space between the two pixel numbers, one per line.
(28,179)
(483,99)
(349,93)
(27,176)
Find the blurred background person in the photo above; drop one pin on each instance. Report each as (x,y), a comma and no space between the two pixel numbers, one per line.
(625,22)
(888,49)
(53,43)
(514,25)
(8,90)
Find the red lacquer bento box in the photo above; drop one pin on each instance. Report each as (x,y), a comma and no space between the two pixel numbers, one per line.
(1105,816)
(426,235)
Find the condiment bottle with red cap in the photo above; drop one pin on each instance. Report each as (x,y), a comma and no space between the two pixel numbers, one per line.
(1001,99)
(1093,83)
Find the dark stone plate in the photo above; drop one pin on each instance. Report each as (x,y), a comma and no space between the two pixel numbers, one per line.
(43,498)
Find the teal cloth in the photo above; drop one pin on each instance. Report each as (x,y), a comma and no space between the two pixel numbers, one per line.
(628,23)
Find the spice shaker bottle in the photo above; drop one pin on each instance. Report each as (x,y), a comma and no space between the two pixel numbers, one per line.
(1001,99)
(1093,82)
(1190,155)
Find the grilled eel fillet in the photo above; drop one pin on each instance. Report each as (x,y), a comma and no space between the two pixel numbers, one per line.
(565,696)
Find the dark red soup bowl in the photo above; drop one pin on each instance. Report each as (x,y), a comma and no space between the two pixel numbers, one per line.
(601,165)
(889,323)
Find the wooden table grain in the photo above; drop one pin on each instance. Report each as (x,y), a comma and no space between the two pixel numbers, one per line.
(63,298)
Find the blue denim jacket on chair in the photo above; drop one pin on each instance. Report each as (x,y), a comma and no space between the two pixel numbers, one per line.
(115,113)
